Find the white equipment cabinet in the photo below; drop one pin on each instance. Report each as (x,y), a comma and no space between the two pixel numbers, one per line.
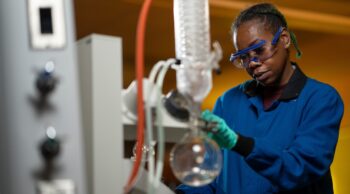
(100,64)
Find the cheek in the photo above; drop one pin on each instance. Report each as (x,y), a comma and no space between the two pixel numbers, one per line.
(276,63)
(281,57)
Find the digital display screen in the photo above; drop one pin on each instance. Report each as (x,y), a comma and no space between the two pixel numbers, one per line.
(46,20)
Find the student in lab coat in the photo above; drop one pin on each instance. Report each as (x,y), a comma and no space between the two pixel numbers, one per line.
(279,130)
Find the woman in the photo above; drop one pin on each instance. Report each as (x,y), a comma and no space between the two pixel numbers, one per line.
(279,130)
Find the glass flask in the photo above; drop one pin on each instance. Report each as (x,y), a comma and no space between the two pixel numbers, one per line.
(196,160)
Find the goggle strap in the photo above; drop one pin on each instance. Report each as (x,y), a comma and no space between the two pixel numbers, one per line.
(277,36)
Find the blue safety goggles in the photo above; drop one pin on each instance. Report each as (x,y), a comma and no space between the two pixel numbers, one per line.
(262,52)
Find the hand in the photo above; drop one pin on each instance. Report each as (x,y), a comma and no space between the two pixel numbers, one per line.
(222,134)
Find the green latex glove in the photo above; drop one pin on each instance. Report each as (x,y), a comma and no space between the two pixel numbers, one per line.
(222,134)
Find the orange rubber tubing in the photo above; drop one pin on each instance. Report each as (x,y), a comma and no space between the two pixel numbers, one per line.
(140,38)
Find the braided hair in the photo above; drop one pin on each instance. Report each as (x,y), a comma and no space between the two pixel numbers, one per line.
(270,16)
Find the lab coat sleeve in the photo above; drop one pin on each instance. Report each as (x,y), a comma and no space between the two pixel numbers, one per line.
(311,153)
(218,107)
(207,189)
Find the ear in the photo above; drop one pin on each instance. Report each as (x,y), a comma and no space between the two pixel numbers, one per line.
(285,38)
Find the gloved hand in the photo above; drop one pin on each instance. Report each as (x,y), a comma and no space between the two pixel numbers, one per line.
(222,134)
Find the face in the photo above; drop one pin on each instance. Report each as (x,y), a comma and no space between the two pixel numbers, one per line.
(275,70)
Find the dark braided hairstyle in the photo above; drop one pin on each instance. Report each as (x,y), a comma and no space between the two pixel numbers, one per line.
(270,16)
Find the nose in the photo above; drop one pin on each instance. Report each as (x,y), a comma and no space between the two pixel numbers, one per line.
(254,62)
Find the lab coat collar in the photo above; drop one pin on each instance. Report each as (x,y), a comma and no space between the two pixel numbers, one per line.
(292,90)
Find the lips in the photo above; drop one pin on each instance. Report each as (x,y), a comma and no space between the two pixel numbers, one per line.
(262,75)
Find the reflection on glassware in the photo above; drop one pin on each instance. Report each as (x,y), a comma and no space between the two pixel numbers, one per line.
(196,160)
(146,150)
(192,45)
(194,82)
(191,25)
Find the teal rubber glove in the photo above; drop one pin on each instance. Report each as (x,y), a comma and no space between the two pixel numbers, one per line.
(222,134)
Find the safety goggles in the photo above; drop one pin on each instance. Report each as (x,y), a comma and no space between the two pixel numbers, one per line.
(262,51)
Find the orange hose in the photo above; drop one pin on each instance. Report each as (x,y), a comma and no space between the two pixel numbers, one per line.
(140,37)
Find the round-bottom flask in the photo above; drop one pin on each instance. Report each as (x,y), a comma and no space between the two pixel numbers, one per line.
(196,160)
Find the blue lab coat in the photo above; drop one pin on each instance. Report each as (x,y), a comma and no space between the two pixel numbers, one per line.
(287,148)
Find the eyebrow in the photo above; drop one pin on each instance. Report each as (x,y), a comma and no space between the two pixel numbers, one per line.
(251,43)
(254,42)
